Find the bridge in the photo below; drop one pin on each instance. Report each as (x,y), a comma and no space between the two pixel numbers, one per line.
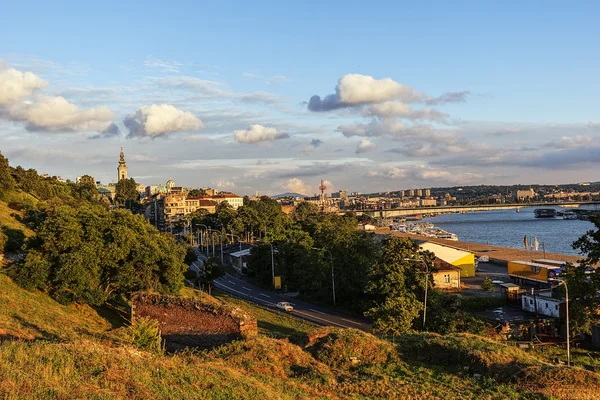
(402,212)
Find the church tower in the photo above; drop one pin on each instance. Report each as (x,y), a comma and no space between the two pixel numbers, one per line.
(122,168)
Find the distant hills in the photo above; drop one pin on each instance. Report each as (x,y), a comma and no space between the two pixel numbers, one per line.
(288,194)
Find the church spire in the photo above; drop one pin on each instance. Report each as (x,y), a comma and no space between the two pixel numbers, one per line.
(122,168)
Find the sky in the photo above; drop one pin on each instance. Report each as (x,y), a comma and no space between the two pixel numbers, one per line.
(273,96)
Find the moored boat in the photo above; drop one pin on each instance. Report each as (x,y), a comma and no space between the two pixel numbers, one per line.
(544,213)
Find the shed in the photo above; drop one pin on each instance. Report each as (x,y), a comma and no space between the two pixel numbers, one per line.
(462,259)
(446,276)
(510,292)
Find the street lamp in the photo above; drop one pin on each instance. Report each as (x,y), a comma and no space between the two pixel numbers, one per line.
(426,285)
(332,274)
(220,241)
(201,241)
(562,282)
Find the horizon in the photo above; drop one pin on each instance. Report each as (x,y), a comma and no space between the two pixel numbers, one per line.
(274,97)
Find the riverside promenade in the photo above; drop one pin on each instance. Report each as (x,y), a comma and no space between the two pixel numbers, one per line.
(497,254)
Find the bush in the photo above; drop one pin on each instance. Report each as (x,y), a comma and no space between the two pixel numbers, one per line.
(487,285)
(145,335)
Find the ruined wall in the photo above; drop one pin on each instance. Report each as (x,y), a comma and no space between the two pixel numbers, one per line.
(190,323)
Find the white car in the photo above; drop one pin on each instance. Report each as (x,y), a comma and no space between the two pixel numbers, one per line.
(285,306)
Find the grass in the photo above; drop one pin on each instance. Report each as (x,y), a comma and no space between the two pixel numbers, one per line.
(51,351)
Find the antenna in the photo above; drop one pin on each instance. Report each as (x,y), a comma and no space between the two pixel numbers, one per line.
(322,188)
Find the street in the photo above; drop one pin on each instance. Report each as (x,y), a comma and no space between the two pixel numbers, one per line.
(317,314)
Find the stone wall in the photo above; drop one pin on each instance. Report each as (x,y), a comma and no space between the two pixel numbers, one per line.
(189,323)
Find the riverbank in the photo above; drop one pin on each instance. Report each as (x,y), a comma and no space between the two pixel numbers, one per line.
(497,254)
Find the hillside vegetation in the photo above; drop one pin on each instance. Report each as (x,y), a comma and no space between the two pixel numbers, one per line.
(49,350)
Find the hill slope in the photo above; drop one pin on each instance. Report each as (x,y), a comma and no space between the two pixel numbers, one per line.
(49,350)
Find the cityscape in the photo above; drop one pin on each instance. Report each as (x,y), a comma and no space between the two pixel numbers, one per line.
(299,200)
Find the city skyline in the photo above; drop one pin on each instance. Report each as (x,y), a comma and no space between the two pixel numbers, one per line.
(274,98)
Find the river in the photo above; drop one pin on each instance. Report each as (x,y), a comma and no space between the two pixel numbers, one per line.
(507,228)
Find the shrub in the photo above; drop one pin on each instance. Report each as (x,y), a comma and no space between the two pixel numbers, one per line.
(487,285)
(145,335)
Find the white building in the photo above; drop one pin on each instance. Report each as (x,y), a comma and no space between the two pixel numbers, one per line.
(543,305)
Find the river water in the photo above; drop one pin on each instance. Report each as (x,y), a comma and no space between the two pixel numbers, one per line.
(507,228)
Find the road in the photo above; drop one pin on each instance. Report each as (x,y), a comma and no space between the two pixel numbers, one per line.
(317,314)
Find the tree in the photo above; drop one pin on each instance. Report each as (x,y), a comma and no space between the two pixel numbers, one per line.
(305,211)
(589,244)
(89,254)
(86,187)
(126,190)
(487,285)
(396,285)
(7,182)
(211,270)
(196,193)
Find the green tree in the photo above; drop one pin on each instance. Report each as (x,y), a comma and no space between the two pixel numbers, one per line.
(306,211)
(7,182)
(88,254)
(196,192)
(487,285)
(87,189)
(210,271)
(589,244)
(396,286)
(126,190)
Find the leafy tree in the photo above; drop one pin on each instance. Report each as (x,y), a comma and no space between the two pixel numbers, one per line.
(584,303)
(86,188)
(88,254)
(211,270)
(196,192)
(7,182)
(126,190)
(487,285)
(306,211)
(396,286)
(190,256)
(589,244)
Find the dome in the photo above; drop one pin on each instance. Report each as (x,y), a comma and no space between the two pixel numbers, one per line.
(170,183)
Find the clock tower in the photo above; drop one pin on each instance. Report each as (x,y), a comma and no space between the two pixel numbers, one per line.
(122,168)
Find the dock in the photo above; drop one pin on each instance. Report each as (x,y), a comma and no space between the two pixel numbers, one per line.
(497,254)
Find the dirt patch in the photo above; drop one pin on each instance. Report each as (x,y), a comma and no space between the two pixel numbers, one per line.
(187,323)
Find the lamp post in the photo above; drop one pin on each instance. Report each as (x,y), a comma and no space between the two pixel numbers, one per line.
(201,241)
(332,274)
(562,282)
(426,285)
(220,241)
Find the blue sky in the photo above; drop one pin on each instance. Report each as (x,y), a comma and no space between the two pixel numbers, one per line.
(216,93)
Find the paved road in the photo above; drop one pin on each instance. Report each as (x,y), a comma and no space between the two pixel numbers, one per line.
(317,314)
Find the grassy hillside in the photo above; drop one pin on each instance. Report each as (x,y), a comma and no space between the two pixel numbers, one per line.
(52,351)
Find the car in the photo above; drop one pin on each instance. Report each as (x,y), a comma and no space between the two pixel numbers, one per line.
(285,306)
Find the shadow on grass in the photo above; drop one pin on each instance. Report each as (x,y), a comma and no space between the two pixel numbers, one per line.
(44,333)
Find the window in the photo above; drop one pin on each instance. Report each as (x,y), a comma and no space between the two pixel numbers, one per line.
(530,301)
(446,278)
(546,305)
(556,307)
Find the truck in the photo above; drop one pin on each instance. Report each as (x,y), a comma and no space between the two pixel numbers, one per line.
(532,273)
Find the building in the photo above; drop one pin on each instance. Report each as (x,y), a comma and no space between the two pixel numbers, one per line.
(543,305)
(411,193)
(525,194)
(122,168)
(462,259)
(427,202)
(169,185)
(419,193)
(446,275)
(427,192)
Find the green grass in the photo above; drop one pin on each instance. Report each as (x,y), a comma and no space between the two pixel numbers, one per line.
(269,323)
(51,351)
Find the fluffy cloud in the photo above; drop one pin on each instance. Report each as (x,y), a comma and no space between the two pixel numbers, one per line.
(258,133)
(224,184)
(364,145)
(158,120)
(16,85)
(55,113)
(296,185)
(397,109)
(356,89)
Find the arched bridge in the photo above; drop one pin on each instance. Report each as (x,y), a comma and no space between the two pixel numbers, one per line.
(401,212)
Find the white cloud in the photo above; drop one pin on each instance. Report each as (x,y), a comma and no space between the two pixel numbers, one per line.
(224,184)
(55,113)
(360,89)
(572,142)
(397,109)
(258,133)
(166,66)
(16,85)
(160,120)
(364,145)
(296,185)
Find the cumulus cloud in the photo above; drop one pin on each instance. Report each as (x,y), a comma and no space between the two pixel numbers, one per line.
(424,174)
(449,97)
(397,109)
(356,89)
(224,184)
(158,120)
(364,145)
(258,133)
(55,113)
(296,185)
(16,85)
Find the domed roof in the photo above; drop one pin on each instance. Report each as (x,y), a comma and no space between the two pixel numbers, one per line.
(170,183)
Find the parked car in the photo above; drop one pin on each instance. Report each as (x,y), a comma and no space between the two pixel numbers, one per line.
(285,306)
(483,259)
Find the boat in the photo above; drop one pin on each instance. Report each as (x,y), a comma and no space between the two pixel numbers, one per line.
(518,210)
(569,215)
(544,213)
